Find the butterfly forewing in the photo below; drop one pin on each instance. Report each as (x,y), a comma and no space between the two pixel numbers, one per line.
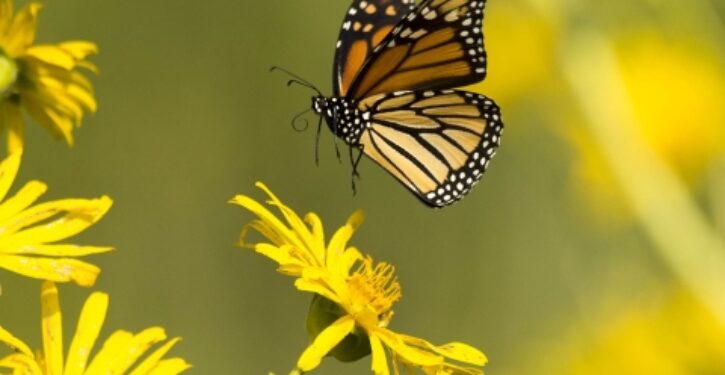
(439,45)
(366,24)
(437,143)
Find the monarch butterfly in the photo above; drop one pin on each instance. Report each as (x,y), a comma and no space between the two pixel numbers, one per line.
(394,69)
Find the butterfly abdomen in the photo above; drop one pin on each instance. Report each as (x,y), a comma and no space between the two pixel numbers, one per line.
(343,117)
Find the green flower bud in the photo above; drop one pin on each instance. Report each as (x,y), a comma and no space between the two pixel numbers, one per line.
(322,314)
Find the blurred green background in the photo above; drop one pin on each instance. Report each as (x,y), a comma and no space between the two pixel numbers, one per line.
(560,262)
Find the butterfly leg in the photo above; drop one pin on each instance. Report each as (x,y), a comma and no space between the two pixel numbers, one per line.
(334,139)
(355,161)
(317,142)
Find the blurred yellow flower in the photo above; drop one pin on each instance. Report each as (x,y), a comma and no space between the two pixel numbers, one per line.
(521,46)
(43,79)
(353,299)
(674,90)
(677,90)
(28,234)
(674,337)
(118,355)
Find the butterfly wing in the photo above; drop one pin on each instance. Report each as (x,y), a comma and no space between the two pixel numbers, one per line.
(438,143)
(366,24)
(437,46)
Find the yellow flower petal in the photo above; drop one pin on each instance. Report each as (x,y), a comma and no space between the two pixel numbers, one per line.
(297,224)
(21,364)
(78,79)
(83,96)
(319,288)
(267,217)
(59,124)
(79,49)
(265,229)
(114,345)
(408,353)
(76,216)
(89,326)
(123,349)
(14,343)
(21,32)
(348,260)
(455,350)
(8,170)
(380,362)
(52,328)
(52,55)
(27,195)
(318,233)
(280,254)
(324,342)
(171,366)
(58,270)
(134,349)
(338,242)
(58,250)
(153,360)
(54,93)
(14,123)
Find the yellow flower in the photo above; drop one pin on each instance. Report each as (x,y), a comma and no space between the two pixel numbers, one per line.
(677,89)
(43,79)
(29,234)
(354,297)
(118,355)
(671,334)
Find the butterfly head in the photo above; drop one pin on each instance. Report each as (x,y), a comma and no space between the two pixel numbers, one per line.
(319,104)
(341,115)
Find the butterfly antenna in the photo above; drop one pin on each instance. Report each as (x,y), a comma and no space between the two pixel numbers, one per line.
(299,123)
(297,79)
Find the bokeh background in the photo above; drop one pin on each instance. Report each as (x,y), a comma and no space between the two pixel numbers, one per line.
(593,246)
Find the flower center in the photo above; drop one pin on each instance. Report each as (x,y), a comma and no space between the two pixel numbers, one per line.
(8,73)
(374,288)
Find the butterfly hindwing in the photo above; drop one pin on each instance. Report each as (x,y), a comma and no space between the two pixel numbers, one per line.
(366,24)
(439,45)
(437,143)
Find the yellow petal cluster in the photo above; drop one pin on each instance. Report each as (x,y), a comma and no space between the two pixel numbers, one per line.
(364,290)
(43,79)
(29,234)
(122,353)
(669,333)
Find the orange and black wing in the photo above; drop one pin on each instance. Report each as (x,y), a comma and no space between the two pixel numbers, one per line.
(437,46)
(366,24)
(438,143)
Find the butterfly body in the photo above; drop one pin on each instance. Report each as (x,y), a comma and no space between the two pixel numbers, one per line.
(395,69)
